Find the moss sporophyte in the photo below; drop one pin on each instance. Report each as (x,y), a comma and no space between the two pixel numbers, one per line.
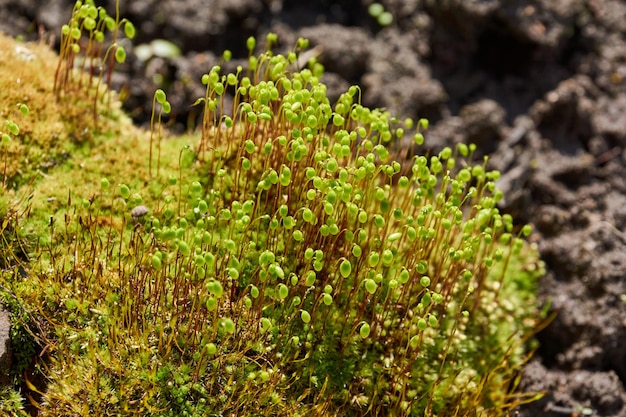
(283,261)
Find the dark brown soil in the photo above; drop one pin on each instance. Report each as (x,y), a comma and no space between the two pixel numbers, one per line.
(540,85)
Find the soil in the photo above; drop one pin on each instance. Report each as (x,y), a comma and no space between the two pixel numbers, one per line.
(539,85)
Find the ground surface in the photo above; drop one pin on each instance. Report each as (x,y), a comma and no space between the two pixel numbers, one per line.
(539,85)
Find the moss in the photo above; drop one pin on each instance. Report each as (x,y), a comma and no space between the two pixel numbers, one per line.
(53,129)
(285,262)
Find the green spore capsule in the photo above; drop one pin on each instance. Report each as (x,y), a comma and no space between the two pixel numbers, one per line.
(297,236)
(120,55)
(211,304)
(379,220)
(310,278)
(527,230)
(218,290)
(387,257)
(156,261)
(124,191)
(421,324)
(233,273)
(327,299)
(229,325)
(345,268)
(370,285)
(364,331)
(183,248)
(210,348)
(283,291)
(373,259)
(266,323)
(426,299)
(404,276)
(305,316)
(195,188)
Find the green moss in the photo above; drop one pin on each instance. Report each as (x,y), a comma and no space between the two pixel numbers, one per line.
(281,261)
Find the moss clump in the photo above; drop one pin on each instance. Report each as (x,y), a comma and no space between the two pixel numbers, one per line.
(285,262)
(53,130)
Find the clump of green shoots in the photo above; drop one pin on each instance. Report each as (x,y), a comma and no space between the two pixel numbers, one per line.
(83,58)
(295,265)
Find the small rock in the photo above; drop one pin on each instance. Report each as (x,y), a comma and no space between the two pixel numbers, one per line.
(5,343)
(139,211)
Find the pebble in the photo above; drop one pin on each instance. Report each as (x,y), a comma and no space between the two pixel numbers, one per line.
(139,211)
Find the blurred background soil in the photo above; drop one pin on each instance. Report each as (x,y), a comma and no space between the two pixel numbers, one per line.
(538,85)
